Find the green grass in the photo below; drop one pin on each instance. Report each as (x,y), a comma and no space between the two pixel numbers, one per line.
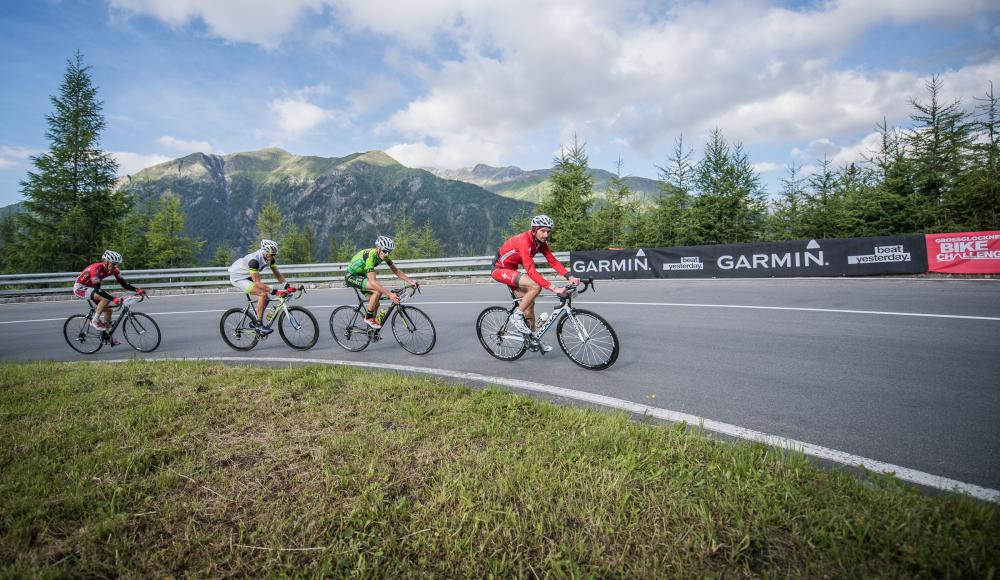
(168,468)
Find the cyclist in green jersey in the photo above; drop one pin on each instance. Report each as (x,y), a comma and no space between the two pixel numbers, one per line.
(361,275)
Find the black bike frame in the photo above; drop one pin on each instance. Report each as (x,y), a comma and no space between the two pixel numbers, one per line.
(362,309)
(125,310)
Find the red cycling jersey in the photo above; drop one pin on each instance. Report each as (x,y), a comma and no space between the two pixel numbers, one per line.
(521,250)
(94,273)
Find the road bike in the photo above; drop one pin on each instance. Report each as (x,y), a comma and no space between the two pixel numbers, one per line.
(139,329)
(296,325)
(413,329)
(586,338)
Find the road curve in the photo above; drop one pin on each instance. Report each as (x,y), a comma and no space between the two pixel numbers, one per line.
(901,370)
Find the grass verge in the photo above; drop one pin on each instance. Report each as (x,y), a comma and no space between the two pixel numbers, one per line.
(181,468)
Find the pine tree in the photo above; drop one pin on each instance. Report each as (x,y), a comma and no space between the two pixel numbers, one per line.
(404,237)
(888,207)
(269,223)
(980,208)
(730,206)
(667,223)
(569,198)
(168,246)
(128,237)
(71,199)
(8,237)
(940,142)
(786,220)
(223,256)
(332,249)
(428,246)
(822,213)
(615,214)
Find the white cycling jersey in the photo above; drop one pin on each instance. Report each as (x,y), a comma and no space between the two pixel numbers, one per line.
(251,263)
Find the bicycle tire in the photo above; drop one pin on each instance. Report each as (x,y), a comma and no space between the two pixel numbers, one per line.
(308,319)
(491,327)
(411,330)
(143,327)
(349,329)
(237,335)
(81,336)
(598,350)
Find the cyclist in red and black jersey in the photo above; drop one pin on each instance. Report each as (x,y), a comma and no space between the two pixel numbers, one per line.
(521,250)
(88,283)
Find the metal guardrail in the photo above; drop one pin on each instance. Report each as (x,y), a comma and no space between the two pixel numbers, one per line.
(219,276)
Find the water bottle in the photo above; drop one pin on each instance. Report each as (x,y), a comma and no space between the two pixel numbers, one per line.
(543,320)
(381,315)
(270,314)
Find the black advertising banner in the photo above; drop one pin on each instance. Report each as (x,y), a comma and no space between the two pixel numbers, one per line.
(835,257)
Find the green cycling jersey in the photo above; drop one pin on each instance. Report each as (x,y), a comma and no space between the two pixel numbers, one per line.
(365,261)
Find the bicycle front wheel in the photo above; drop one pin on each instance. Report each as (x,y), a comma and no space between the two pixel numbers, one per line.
(588,340)
(81,336)
(497,336)
(349,329)
(298,328)
(235,329)
(141,332)
(413,330)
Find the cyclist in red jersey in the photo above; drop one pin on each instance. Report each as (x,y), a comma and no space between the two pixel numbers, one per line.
(88,283)
(521,250)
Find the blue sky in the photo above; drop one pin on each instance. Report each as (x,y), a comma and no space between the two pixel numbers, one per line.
(447,83)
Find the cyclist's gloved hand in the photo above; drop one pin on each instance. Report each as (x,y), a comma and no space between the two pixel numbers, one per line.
(273,292)
(140,291)
(287,285)
(117,300)
(394,297)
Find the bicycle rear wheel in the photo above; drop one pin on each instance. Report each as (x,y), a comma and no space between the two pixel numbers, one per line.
(588,340)
(81,336)
(298,328)
(141,332)
(413,330)
(349,329)
(497,336)
(235,329)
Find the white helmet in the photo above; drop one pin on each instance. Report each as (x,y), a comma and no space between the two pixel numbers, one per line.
(111,256)
(385,243)
(542,221)
(269,246)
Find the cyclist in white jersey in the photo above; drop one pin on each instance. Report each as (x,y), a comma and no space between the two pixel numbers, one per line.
(244,273)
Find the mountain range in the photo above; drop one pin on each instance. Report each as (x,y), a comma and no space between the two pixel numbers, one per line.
(531,185)
(355,198)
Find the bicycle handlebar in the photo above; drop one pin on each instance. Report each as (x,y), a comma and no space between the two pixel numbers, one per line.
(572,289)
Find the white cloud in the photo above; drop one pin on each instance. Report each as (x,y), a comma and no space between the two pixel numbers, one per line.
(455,152)
(765,167)
(295,116)
(13,156)
(183,146)
(615,72)
(130,163)
(262,22)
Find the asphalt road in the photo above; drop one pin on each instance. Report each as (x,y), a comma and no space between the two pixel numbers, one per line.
(832,362)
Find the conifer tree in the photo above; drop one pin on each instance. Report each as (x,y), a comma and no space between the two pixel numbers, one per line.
(667,225)
(71,199)
(611,220)
(269,224)
(223,256)
(730,206)
(168,246)
(428,246)
(569,198)
(940,143)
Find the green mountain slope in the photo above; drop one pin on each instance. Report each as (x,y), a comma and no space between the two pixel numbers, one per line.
(516,183)
(354,198)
